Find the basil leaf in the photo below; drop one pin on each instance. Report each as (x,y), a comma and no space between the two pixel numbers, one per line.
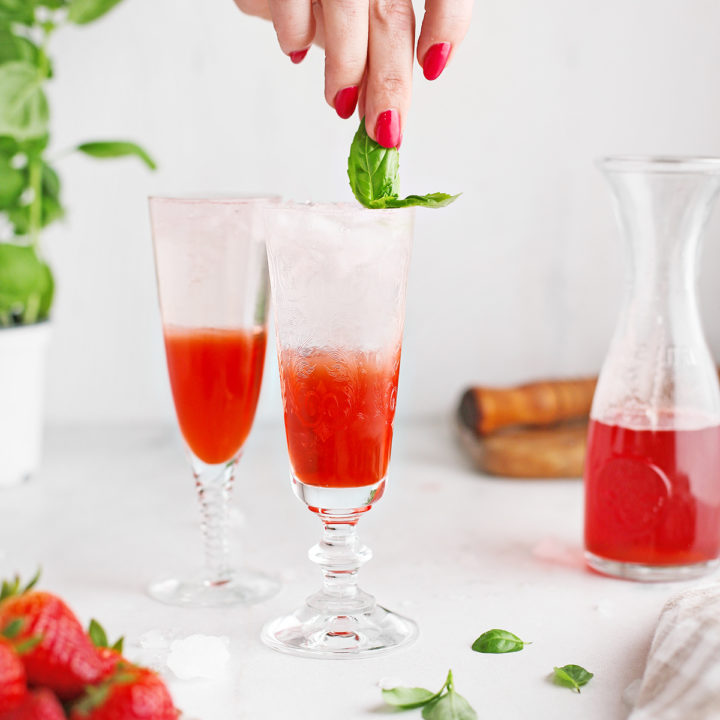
(407,698)
(572,676)
(497,642)
(23,105)
(115,149)
(373,170)
(450,706)
(19,11)
(23,288)
(432,200)
(14,47)
(12,183)
(81,12)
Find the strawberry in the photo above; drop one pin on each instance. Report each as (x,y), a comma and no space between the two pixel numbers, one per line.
(62,657)
(131,693)
(39,705)
(110,655)
(13,684)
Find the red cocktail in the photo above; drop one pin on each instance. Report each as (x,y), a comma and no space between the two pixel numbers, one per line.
(653,496)
(339,410)
(215,377)
(212,280)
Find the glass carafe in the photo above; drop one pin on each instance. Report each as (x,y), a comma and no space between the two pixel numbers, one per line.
(652,473)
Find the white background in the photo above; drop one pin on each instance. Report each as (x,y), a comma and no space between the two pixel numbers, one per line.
(519,279)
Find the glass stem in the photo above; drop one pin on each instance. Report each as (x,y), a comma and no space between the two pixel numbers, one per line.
(214,490)
(340,554)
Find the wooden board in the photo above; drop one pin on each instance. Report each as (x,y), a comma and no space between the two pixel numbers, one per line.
(553,452)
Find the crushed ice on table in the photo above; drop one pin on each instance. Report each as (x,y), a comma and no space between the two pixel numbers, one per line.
(199,657)
(631,692)
(555,551)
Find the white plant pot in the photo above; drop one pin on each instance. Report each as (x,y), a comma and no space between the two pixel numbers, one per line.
(22,391)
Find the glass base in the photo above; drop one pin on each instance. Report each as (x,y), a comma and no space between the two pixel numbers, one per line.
(245,587)
(310,633)
(650,573)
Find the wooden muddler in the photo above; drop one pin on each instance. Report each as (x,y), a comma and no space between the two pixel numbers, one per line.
(484,410)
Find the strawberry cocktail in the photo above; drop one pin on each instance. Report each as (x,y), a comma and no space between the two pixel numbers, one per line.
(213,286)
(338,275)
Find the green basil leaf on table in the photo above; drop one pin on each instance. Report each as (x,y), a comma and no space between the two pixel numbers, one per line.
(450,706)
(81,12)
(116,149)
(408,698)
(572,676)
(23,105)
(498,642)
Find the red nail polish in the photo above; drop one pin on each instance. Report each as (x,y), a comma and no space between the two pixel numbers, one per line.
(346,100)
(387,129)
(297,56)
(435,60)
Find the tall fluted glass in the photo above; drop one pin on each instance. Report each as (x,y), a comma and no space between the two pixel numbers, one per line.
(338,276)
(211,267)
(652,475)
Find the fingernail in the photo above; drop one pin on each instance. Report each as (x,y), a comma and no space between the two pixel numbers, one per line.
(346,100)
(387,128)
(435,60)
(297,56)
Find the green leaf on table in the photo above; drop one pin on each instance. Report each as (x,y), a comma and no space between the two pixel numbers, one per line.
(407,698)
(81,12)
(373,170)
(116,149)
(498,642)
(23,105)
(450,706)
(572,676)
(15,47)
(374,174)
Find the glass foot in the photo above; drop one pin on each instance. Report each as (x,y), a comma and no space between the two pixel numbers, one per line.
(244,587)
(650,573)
(311,633)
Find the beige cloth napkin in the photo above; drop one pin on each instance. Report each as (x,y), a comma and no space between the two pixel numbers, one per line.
(682,675)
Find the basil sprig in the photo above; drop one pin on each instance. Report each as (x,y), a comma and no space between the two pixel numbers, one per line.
(374,174)
(572,676)
(445,704)
(498,641)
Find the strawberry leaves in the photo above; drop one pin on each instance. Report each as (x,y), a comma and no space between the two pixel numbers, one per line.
(99,638)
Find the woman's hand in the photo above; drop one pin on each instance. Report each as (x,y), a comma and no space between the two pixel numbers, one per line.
(369,48)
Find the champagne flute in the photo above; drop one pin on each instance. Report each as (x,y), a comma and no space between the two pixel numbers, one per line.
(212,281)
(338,276)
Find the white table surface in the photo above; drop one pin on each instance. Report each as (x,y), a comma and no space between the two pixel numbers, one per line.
(458,552)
